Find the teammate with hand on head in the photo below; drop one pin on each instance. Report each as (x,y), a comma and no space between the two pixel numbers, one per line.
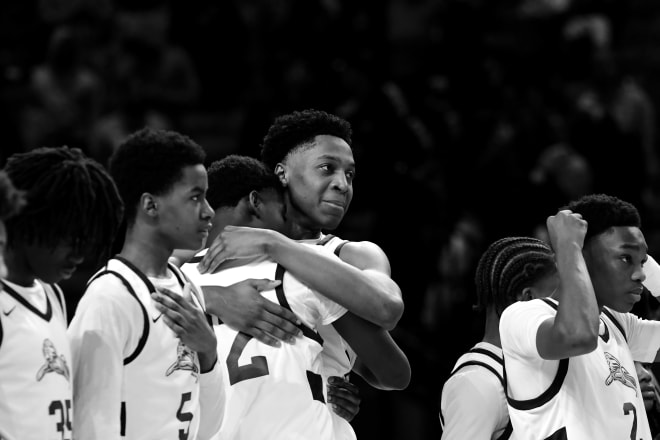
(511,269)
(144,354)
(569,359)
(73,211)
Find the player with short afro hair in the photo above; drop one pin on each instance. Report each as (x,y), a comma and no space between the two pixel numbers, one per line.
(602,212)
(297,129)
(167,152)
(11,199)
(234,177)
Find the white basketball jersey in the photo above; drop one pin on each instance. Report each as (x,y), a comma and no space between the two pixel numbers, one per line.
(160,390)
(586,390)
(274,392)
(35,384)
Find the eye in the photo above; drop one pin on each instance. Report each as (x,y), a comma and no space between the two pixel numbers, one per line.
(350,175)
(326,167)
(626,258)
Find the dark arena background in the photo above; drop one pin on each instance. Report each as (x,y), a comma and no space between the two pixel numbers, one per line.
(472,120)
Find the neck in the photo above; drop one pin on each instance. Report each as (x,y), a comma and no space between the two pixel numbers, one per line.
(492,331)
(18,268)
(297,223)
(146,251)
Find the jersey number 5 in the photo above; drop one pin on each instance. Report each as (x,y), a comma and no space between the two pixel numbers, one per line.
(237,373)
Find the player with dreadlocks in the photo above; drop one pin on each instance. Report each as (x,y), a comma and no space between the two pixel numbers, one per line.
(511,269)
(73,210)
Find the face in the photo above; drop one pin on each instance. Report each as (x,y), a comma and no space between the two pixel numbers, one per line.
(184,215)
(53,264)
(614,260)
(646,385)
(3,244)
(319,182)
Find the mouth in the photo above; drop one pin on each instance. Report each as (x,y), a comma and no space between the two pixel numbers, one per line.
(335,203)
(68,270)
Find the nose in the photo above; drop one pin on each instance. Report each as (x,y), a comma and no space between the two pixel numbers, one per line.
(340,182)
(76,258)
(207,211)
(639,275)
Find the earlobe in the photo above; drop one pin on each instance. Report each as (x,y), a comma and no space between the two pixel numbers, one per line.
(525,295)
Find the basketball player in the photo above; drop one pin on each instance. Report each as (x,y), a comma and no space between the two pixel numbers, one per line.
(134,376)
(73,210)
(310,152)
(511,269)
(569,359)
(11,201)
(279,394)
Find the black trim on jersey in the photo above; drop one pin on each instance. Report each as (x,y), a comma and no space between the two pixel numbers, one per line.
(616,322)
(548,394)
(339,246)
(145,332)
(179,273)
(279,290)
(1,332)
(480,364)
(315,385)
(488,353)
(195,259)
(325,240)
(560,434)
(138,272)
(17,296)
(508,430)
(122,420)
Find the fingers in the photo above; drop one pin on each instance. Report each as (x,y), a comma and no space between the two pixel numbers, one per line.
(344,398)
(264,337)
(265,284)
(212,260)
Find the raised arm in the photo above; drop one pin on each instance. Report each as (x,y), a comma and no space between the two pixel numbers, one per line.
(574,330)
(360,280)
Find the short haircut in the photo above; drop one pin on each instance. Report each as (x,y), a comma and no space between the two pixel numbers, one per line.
(234,177)
(298,129)
(11,199)
(70,198)
(507,267)
(602,212)
(152,161)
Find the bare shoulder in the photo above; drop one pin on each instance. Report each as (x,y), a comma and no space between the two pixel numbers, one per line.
(365,255)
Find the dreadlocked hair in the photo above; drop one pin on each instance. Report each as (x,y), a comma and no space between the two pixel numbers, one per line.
(507,267)
(298,129)
(603,212)
(11,199)
(71,199)
(234,177)
(152,161)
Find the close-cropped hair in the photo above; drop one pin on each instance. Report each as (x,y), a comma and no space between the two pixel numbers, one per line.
(508,266)
(602,212)
(298,129)
(234,177)
(71,199)
(151,161)
(11,199)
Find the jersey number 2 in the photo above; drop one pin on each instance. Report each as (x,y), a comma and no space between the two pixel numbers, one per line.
(237,373)
(627,409)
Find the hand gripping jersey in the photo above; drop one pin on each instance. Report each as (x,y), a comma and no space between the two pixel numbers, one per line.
(35,384)
(273,392)
(592,396)
(476,382)
(160,383)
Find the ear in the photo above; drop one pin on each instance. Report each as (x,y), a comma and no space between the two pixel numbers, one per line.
(254,203)
(280,172)
(149,205)
(525,295)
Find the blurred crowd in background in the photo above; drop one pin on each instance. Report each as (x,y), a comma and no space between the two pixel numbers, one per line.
(472,119)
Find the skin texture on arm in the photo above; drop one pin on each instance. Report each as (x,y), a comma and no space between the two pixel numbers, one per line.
(384,365)
(360,281)
(574,330)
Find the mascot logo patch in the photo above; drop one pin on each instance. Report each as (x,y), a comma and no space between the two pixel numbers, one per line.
(54,363)
(619,373)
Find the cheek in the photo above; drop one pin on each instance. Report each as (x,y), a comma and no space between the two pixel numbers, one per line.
(3,268)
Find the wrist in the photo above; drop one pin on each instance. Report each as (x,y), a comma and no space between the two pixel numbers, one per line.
(207,360)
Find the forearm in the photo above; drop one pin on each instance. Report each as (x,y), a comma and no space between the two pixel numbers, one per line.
(211,402)
(369,293)
(578,314)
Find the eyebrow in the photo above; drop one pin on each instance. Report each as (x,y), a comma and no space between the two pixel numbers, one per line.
(336,158)
(634,247)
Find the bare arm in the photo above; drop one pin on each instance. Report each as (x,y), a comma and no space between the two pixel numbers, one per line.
(574,330)
(384,365)
(361,282)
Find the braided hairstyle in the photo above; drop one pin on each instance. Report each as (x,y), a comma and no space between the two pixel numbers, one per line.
(603,212)
(11,199)
(297,130)
(234,177)
(507,267)
(70,198)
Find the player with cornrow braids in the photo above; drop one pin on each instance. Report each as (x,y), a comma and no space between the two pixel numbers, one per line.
(73,211)
(510,270)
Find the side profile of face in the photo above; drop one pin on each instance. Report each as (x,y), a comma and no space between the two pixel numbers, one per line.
(614,259)
(319,181)
(3,244)
(184,215)
(53,264)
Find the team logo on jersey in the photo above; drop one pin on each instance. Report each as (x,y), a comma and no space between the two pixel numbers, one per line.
(54,363)
(185,360)
(619,373)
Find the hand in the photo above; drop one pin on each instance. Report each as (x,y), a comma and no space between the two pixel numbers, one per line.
(344,397)
(242,308)
(566,227)
(235,242)
(185,319)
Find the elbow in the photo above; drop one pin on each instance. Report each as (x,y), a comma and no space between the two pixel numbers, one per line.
(579,343)
(390,313)
(399,380)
